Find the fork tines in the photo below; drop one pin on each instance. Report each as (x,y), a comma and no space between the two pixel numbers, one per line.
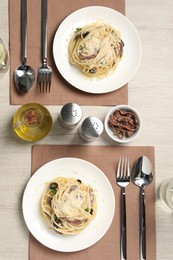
(123,171)
(44,80)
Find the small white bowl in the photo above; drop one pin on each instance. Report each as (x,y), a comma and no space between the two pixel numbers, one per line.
(110,132)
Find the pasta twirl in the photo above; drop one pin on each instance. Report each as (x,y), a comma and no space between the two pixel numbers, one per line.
(96,49)
(68,205)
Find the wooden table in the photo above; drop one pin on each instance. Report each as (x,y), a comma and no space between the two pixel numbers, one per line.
(150,92)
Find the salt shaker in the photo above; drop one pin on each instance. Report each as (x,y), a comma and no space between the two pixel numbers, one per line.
(70,115)
(91,128)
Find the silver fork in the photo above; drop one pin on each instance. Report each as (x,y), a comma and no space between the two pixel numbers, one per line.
(44,72)
(123,179)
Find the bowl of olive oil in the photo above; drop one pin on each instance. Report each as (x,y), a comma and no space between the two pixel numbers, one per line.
(32,122)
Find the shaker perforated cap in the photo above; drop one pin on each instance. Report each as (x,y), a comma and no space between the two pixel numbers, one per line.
(91,128)
(70,114)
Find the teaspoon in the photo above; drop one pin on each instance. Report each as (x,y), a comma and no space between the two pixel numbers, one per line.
(24,75)
(142,176)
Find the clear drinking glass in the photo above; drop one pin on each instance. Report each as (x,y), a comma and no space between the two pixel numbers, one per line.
(166,193)
(4,64)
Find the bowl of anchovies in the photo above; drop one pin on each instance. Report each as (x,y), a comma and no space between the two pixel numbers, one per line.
(123,123)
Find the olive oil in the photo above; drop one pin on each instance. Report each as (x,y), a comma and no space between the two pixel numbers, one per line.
(32,122)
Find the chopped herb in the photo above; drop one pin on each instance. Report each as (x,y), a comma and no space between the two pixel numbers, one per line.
(113,32)
(81,47)
(57,220)
(78,29)
(53,192)
(87,209)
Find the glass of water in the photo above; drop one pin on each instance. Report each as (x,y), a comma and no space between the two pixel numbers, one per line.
(4,64)
(166,193)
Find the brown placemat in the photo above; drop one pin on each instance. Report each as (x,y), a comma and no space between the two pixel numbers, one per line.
(106,158)
(62,92)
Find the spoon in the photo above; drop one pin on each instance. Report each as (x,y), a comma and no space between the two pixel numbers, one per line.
(24,76)
(142,176)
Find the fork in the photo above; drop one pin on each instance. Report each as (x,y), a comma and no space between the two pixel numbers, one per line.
(123,179)
(44,72)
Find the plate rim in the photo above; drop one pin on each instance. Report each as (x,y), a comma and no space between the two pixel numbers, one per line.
(78,160)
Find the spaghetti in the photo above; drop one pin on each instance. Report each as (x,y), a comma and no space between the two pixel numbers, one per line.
(68,205)
(96,49)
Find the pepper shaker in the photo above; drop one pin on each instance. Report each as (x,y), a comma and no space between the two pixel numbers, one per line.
(91,128)
(70,115)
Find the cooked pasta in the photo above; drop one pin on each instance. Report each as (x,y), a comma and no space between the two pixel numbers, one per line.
(96,49)
(68,205)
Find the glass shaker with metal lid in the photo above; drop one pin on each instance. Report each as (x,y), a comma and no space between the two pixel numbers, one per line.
(91,128)
(70,115)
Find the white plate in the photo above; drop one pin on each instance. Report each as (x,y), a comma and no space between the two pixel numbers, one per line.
(88,173)
(126,68)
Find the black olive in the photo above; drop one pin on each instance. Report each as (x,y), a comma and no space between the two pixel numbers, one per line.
(85,34)
(91,211)
(53,185)
(93,71)
(79,181)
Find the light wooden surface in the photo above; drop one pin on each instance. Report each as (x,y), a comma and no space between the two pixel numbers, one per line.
(150,92)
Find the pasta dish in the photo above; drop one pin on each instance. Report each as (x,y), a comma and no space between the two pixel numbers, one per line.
(68,205)
(96,49)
